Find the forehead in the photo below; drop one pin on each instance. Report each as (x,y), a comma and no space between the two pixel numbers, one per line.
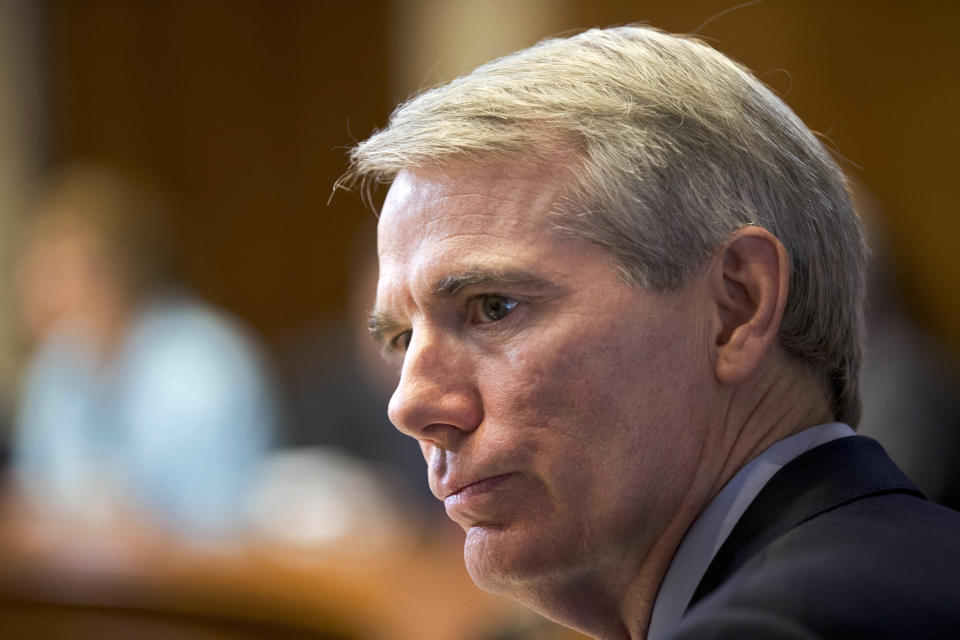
(425,203)
(459,216)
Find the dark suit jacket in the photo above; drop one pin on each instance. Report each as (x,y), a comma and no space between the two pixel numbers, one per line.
(839,544)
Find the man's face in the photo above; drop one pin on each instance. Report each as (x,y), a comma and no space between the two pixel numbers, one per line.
(561,411)
(58,279)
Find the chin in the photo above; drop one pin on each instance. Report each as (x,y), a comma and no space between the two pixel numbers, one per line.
(507,559)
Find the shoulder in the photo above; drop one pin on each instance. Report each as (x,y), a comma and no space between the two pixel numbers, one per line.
(885,566)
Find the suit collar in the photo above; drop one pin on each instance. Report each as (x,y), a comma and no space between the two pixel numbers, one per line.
(821,479)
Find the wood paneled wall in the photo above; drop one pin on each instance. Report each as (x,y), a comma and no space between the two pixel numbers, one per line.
(241,107)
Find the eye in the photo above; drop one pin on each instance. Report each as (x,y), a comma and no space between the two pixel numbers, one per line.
(401,342)
(491,308)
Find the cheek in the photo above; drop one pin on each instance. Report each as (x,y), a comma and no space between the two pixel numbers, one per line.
(563,401)
(602,374)
(603,403)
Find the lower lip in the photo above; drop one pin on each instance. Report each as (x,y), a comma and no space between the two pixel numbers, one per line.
(476,491)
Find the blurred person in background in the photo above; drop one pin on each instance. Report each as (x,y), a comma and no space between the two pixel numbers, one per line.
(141,405)
(910,384)
(341,474)
(339,387)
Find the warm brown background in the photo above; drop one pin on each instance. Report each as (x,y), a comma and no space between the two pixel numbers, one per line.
(242,109)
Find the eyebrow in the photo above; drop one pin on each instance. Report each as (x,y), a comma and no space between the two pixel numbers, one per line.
(382,324)
(452,284)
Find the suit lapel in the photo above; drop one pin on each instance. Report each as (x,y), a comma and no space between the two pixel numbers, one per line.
(819,480)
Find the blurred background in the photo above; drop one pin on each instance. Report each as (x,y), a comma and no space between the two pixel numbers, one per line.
(170,255)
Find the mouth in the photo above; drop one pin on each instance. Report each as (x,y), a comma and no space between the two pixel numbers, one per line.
(476,488)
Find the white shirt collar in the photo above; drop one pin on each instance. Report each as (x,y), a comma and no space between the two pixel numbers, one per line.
(711,528)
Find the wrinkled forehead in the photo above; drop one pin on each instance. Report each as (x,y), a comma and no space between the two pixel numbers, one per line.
(437,221)
(426,204)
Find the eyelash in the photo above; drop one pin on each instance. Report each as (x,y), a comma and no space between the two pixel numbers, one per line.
(401,341)
(476,305)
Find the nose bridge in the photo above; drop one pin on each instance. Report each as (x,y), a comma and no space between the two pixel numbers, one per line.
(437,390)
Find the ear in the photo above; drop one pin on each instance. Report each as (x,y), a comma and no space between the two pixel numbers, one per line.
(749,278)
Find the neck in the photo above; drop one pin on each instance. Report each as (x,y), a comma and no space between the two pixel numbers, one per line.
(781,400)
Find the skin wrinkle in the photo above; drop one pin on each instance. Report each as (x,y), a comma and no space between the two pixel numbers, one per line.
(794,395)
(731,464)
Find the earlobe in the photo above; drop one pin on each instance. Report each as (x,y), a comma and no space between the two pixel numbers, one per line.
(750,280)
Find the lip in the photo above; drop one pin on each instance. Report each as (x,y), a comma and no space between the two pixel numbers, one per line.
(476,487)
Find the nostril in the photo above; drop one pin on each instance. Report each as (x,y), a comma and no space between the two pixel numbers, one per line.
(442,435)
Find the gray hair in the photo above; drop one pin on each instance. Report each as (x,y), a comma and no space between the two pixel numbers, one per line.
(675,147)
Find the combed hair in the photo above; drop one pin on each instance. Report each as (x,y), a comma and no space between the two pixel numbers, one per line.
(674,147)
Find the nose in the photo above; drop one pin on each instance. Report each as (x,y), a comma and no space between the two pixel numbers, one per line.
(437,400)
